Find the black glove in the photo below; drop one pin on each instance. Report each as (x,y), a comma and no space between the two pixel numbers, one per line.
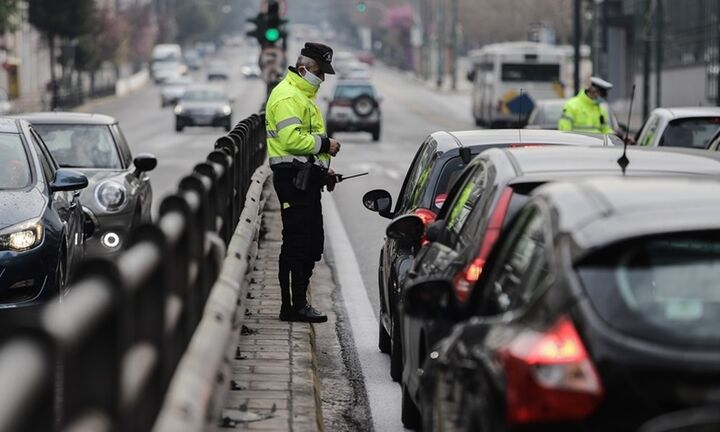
(331,181)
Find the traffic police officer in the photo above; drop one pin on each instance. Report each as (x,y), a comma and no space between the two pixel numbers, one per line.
(586,112)
(299,153)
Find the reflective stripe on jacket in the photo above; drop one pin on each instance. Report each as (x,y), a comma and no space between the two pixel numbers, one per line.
(582,114)
(294,124)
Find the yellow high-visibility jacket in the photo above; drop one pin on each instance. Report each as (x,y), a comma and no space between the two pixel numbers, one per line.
(294,124)
(582,114)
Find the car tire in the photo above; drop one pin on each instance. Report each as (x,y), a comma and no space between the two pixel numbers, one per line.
(179,126)
(409,413)
(396,361)
(364,105)
(479,122)
(228,125)
(376,134)
(383,339)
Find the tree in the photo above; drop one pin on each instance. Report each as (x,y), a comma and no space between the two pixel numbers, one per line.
(8,14)
(194,20)
(64,19)
(143,32)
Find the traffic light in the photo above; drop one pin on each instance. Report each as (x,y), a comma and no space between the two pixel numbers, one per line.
(361,7)
(258,32)
(274,29)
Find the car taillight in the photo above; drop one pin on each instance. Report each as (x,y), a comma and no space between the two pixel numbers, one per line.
(464,280)
(427,217)
(550,376)
(440,200)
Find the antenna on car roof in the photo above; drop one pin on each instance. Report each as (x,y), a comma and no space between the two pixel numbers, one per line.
(520,113)
(624,161)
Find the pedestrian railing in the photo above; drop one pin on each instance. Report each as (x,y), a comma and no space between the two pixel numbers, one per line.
(102,357)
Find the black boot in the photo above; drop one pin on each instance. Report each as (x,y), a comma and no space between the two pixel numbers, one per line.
(308,314)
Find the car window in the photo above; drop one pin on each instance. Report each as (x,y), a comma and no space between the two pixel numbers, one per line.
(123,145)
(81,146)
(449,174)
(647,133)
(417,175)
(662,288)
(466,201)
(14,162)
(690,132)
(353,91)
(47,161)
(521,268)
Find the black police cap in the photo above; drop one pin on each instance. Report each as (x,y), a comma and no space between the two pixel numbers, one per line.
(322,54)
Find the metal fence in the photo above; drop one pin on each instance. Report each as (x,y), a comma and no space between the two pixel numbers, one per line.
(102,357)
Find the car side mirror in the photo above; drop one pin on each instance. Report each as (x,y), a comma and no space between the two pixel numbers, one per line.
(435,230)
(145,162)
(407,228)
(68,180)
(430,298)
(379,201)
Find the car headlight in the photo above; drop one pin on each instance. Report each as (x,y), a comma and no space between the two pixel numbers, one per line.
(178,109)
(21,237)
(226,110)
(111,196)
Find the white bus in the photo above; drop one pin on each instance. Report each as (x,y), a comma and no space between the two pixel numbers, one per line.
(508,77)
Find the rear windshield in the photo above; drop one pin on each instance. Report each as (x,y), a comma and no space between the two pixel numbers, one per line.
(352,91)
(663,288)
(14,165)
(530,72)
(690,132)
(204,95)
(81,146)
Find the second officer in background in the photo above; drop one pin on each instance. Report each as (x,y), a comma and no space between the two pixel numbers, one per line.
(300,153)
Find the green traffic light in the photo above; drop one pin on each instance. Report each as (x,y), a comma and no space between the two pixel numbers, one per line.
(272,35)
(361,7)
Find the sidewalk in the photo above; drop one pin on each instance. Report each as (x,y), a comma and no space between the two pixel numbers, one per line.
(275,381)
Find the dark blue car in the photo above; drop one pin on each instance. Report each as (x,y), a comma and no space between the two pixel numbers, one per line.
(42,225)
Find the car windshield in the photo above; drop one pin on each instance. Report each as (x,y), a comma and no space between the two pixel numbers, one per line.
(14,165)
(516,72)
(353,91)
(690,132)
(662,288)
(204,95)
(81,146)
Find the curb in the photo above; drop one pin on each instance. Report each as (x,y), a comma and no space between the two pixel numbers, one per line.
(316,381)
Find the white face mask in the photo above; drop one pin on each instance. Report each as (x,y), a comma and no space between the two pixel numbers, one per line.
(312,79)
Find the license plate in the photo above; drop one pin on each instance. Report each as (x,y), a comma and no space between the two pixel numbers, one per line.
(203,120)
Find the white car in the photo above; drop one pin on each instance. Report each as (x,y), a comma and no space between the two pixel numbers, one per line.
(173,89)
(689,127)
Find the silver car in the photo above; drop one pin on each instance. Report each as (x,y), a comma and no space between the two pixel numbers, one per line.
(119,195)
(173,89)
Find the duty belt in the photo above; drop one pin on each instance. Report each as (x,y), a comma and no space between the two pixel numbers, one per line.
(290,158)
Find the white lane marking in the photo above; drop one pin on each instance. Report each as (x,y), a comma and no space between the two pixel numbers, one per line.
(383,394)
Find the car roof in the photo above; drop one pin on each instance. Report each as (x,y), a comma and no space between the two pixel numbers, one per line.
(684,112)
(9,125)
(598,211)
(67,118)
(603,159)
(529,137)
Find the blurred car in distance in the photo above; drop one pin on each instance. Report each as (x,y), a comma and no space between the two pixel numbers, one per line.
(193,60)
(42,224)
(354,107)
(119,196)
(251,70)
(689,127)
(597,310)
(366,57)
(167,70)
(204,105)
(218,70)
(173,89)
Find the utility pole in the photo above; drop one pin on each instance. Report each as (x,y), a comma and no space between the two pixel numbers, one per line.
(596,36)
(440,43)
(659,47)
(454,44)
(647,46)
(577,35)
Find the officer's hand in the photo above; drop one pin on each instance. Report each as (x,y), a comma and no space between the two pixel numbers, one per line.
(334,147)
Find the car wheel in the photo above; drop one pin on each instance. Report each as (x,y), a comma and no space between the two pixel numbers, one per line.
(409,412)
(376,134)
(179,126)
(479,122)
(396,363)
(228,125)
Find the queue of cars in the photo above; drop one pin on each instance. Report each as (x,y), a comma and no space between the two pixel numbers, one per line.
(70,189)
(543,283)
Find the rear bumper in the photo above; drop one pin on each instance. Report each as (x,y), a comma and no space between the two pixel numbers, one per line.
(198,120)
(353,125)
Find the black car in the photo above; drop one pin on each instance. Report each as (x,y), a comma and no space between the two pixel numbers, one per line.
(203,105)
(438,162)
(487,195)
(598,310)
(119,196)
(42,225)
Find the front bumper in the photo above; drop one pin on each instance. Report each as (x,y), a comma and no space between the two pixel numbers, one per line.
(353,125)
(27,278)
(216,120)
(111,233)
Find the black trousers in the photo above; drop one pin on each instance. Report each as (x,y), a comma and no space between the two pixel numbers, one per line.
(303,235)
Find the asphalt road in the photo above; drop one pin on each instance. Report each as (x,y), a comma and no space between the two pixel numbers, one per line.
(410,110)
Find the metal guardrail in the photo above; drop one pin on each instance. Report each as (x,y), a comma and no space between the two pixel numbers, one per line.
(103,356)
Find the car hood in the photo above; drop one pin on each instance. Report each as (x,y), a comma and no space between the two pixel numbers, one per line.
(95,177)
(19,206)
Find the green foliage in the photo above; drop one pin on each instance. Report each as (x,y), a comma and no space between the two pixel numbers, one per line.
(195,20)
(67,18)
(8,14)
